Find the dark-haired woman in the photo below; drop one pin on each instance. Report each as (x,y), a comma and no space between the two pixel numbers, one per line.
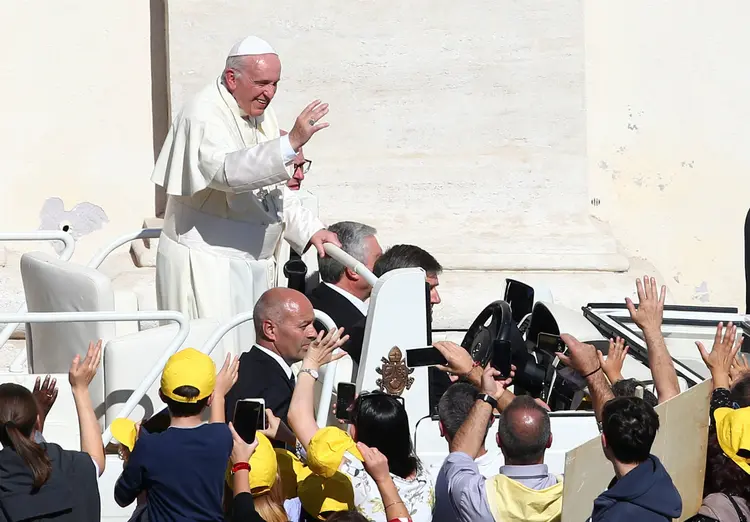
(379,421)
(41,481)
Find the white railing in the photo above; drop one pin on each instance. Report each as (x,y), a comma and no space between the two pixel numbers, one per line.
(146,233)
(348,261)
(92,317)
(36,235)
(330,372)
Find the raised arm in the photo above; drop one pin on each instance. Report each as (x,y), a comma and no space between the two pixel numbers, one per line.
(301,414)
(376,465)
(80,376)
(722,355)
(470,436)
(649,316)
(583,358)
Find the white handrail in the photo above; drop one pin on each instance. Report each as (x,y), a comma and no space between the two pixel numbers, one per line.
(36,235)
(144,233)
(91,317)
(325,396)
(348,261)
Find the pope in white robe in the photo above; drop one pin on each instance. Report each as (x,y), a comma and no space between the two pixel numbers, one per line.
(224,169)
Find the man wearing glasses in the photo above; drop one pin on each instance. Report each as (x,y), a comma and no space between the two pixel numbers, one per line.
(224,166)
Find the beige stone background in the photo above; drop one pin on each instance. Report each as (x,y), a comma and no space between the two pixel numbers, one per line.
(487,132)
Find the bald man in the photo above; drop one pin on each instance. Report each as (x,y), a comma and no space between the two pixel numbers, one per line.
(283,320)
(523,489)
(224,166)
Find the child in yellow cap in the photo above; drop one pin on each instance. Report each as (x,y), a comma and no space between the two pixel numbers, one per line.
(182,469)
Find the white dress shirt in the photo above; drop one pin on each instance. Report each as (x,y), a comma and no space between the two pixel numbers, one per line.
(356,301)
(284,366)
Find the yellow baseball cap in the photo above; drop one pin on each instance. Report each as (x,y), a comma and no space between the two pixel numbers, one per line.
(123,430)
(291,471)
(733,432)
(321,495)
(327,448)
(189,367)
(263,467)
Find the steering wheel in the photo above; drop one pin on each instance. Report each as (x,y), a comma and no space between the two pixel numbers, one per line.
(493,323)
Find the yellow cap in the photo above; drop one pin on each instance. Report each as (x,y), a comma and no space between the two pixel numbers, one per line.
(189,367)
(291,470)
(263,467)
(327,448)
(324,495)
(733,432)
(123,430)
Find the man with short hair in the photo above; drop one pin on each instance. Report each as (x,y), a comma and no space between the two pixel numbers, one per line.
(283,320)
(343,292)
(410,256)
(223,166)
(524,489)
(642,489)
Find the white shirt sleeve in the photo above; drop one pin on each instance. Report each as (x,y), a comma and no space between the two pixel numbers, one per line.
(287,152)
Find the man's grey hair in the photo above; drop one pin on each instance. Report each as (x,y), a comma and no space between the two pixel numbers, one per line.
(235,63)
(352,238)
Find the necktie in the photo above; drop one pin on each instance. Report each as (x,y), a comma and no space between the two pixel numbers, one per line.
(292,380)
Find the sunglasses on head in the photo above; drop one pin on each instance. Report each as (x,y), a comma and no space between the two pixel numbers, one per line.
(367,395)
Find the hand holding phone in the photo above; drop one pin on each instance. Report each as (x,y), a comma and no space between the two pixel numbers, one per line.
(249,417)
(429,356)
(345,396)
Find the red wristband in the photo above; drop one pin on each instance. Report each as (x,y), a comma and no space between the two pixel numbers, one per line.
(239,466)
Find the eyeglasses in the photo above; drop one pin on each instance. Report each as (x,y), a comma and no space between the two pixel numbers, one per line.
(305,166)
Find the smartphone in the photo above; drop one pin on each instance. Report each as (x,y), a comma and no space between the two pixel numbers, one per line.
(158,422)
(429,356)
(249,417)
(550,343)
(501,357)
(520,297)
(345,394)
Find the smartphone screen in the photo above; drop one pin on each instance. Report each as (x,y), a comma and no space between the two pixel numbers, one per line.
(550,343)
(249,416)
(520,297)
(501,357)
(158,422)
(429,356)
(344,399)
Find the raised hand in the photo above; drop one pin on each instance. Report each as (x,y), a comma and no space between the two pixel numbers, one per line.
(82,373)
(459,361)
(307,124)
(321,349)
(376,464)
(45,393)
(612,365)
(227,376)
(650,312)
(493,384)
(722,355)
(581,357)
(324,236)
(739,368)
(241,450)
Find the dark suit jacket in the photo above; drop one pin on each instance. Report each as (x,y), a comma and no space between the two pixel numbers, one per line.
(261,376)
(344,314)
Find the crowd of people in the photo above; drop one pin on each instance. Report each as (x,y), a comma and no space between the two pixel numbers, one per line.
(230,174)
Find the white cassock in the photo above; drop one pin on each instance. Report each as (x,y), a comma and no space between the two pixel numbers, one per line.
(225,174)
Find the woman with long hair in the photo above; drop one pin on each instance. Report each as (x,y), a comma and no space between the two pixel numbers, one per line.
(379,422)
(41,481)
